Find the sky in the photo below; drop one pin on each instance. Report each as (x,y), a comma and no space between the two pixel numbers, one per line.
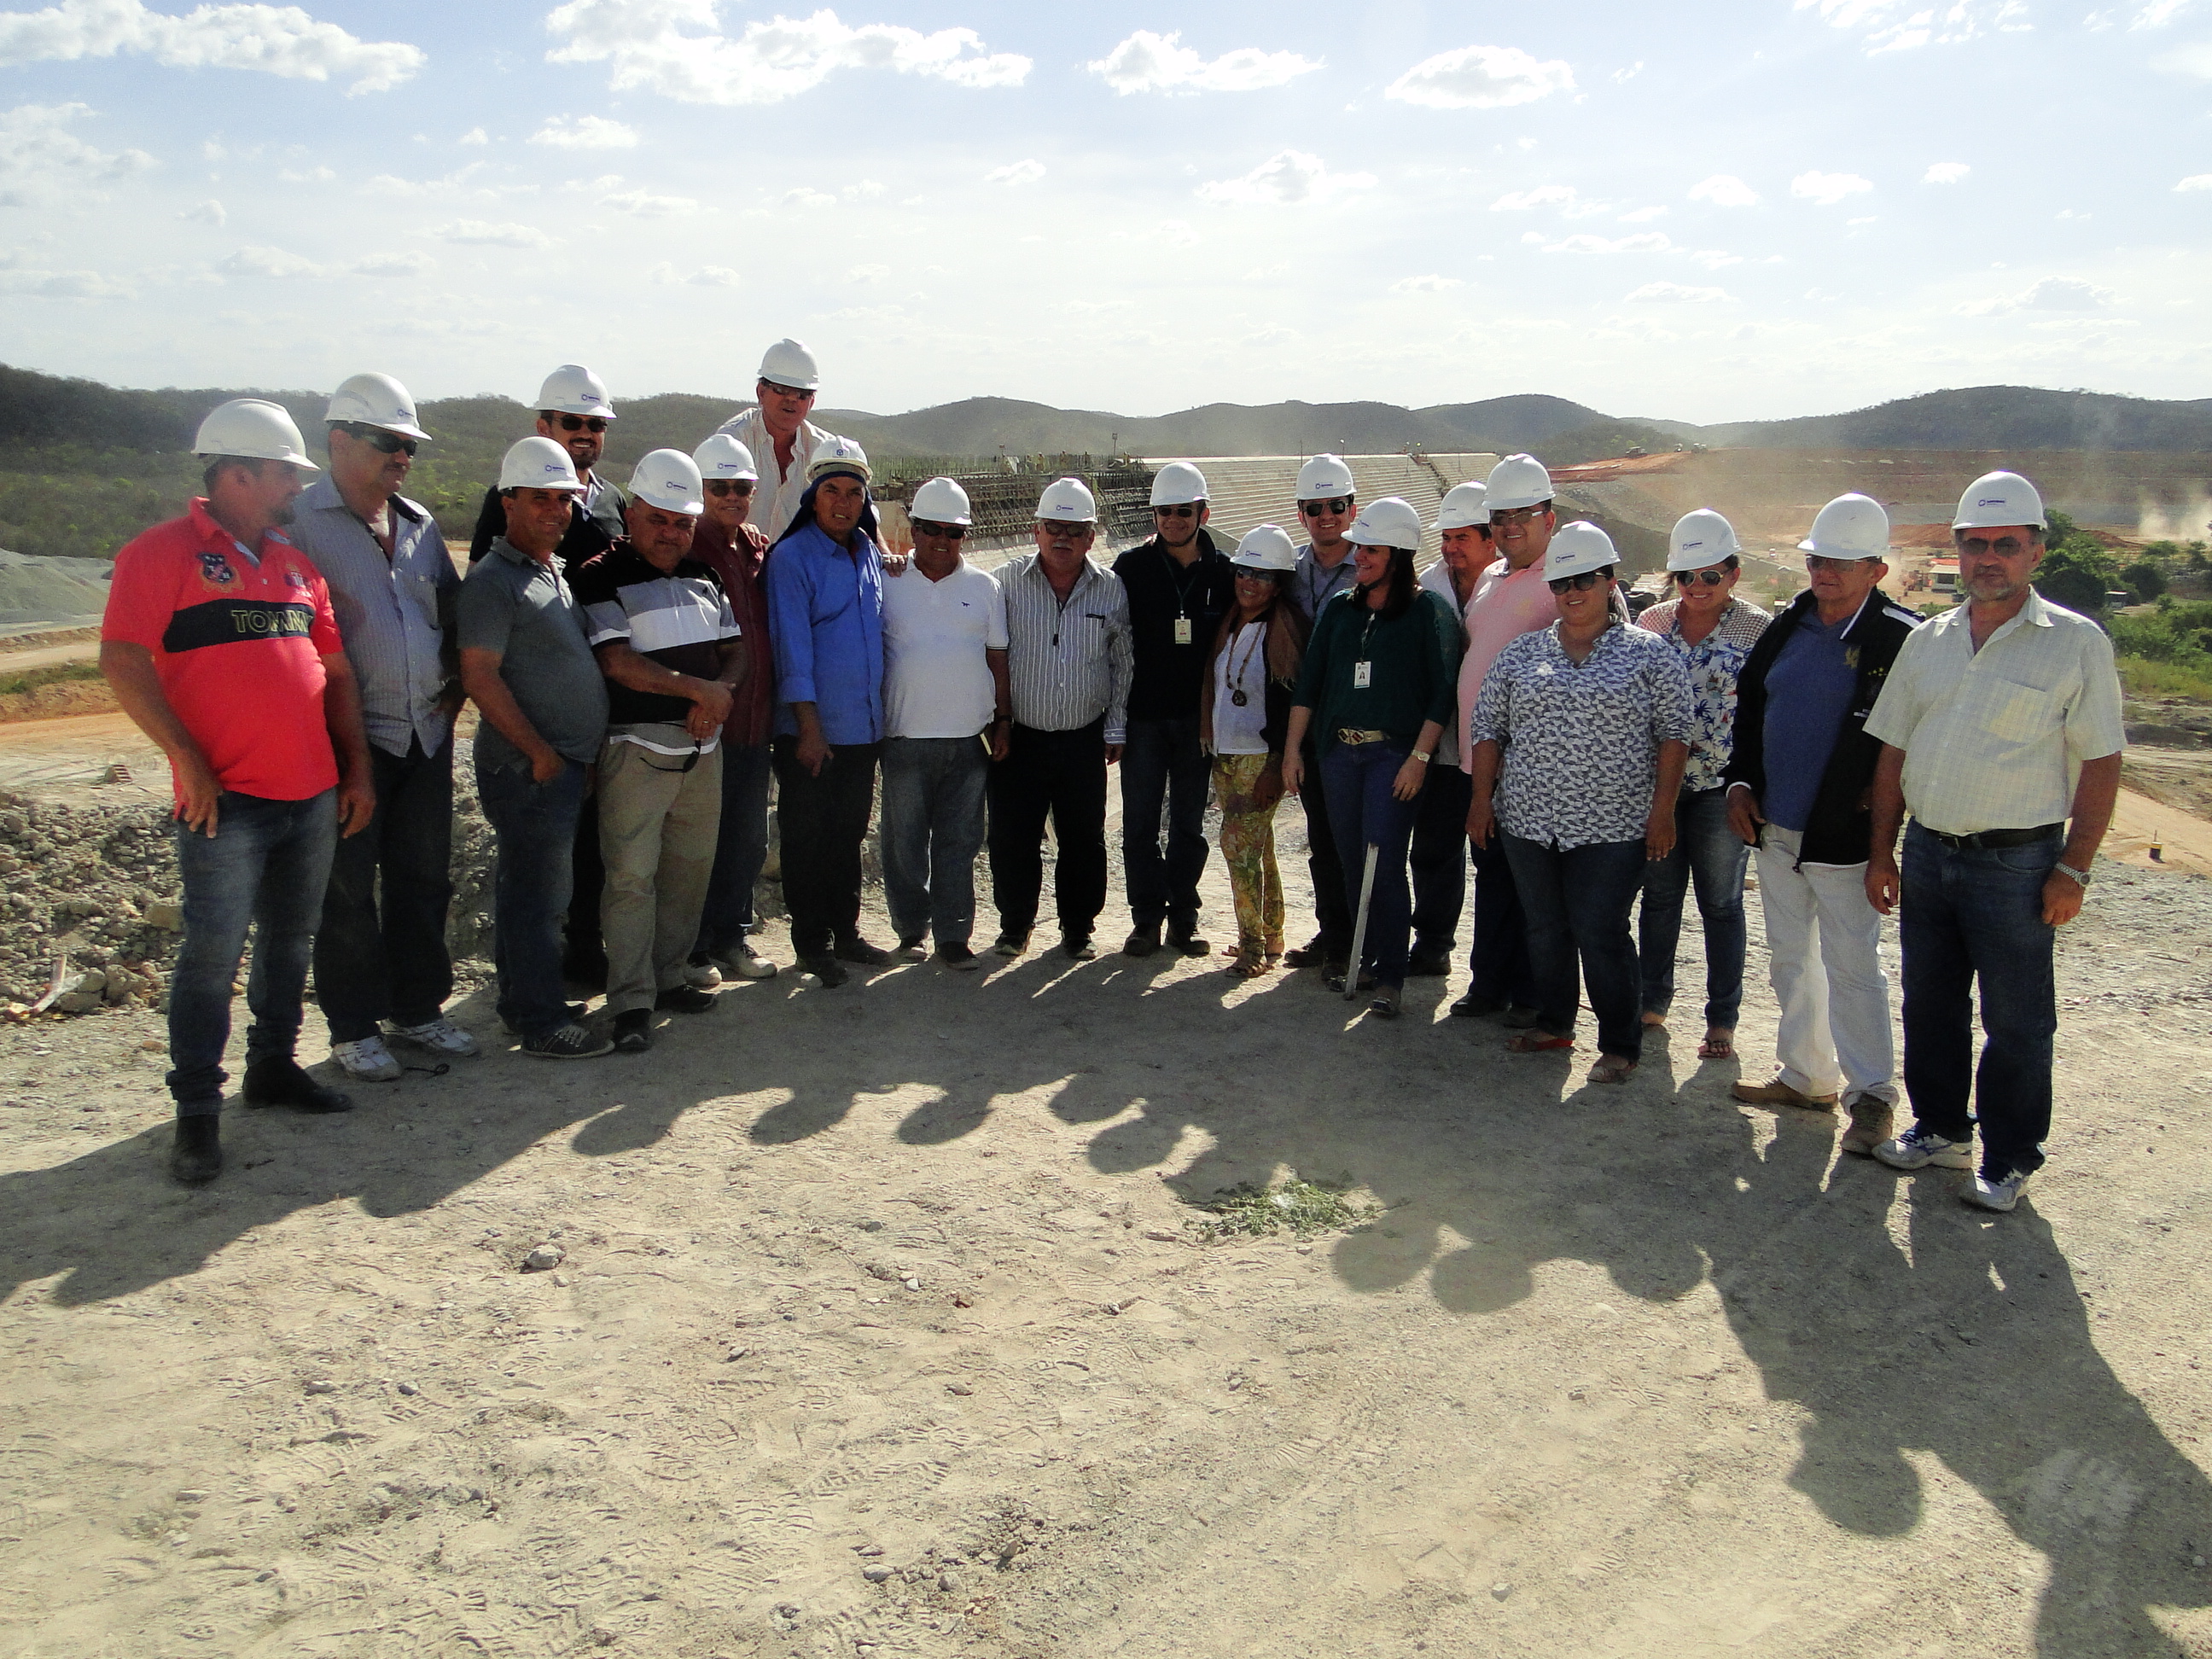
(1741,210)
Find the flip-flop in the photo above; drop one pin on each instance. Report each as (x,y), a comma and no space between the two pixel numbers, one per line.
(1609,1069)
(1530,1042)
(1718,1045)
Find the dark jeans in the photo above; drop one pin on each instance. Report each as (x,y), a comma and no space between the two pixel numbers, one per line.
(1061,774)
(740,849)
(1577,902)
(934,819)
(1707,852)
(586,951)
(380,953)
(1438,859)
(1164,767)
(821,822)
(267,864)
(534,828)
(1499,960)
(1362,810)
(1971,915)
(1332,920)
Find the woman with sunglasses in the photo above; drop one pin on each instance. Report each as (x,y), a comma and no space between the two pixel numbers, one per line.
(1713,631)
(1581,732)
(1380,679)
(1244,718)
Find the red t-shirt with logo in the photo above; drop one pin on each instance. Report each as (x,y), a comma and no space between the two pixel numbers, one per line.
(239,644)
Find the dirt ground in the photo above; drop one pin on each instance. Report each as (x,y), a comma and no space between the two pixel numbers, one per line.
(880,1329)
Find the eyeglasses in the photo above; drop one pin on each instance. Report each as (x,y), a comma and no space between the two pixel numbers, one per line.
(581,423)
(1174,512)
(1066,532)
(1582,583)
(2004,547)
(951,533)
(1712,578)
(729,486)
(1815,562)
(1328,504)
(385,443)
(1499,515)
(782,391)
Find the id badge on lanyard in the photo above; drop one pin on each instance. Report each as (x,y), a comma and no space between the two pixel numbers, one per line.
(1183,635)
(1363,676)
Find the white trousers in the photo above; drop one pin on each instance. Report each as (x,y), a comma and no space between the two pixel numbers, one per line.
(1824,954)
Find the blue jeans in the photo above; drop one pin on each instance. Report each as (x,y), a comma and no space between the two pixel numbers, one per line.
(267,864)
(1707,852)
(1577,902)
(1438,859)
(534,827)
(740,849)
(1965,916)
(1164,767)
(380,953)
(1499,960)
(1357,778)
(933,829)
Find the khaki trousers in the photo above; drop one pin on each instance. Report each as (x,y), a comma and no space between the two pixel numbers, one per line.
(657,824)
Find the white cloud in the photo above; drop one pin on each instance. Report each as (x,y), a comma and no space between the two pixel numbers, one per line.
(643,204)
(270,262)
(865,189)
(38,154)
(1644,216)
(2195,60)
(207,213)
(1713,258)
(2051,294)
(473,136)
(1025,172)
(1481,77)
(804,197)
(1431,283)
(1902,25)
(64,284)
(1828,188)
(1675,293)
(583,132)
(1622,77)
(311,176)
(867,273)
(1146,62)
(393,264)
(1288,177)
(1520,201)
(282,40)
(1649,241)
(2157,14)
(1724,190)
(477,233)
(1946,173)
(675,48)
(2196,181)
(714,276)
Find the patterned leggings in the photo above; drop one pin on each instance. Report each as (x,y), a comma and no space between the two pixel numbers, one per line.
(1248,847)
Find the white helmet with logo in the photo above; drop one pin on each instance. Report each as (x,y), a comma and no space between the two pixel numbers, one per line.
(1178,484)
(940,502)
(1518,481)
(1577,549)
(1996,499)
(1325,476)
(668,479)
(254,429)
(838,455)
(376,400)
(1266,547)
(537,462)
(1465,507)
(723,456)
(572,389)
(1699,540)
(1390,522)
(1068,501)
(1851,527)
(789,363)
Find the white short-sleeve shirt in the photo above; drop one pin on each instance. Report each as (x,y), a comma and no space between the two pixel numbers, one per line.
(937,680)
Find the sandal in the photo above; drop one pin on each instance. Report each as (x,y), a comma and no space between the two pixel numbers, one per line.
(1537,1043)
(1610,1068)
(1248,964)
(1719,1044)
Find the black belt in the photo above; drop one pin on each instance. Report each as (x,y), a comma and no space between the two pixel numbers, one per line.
(1991,839)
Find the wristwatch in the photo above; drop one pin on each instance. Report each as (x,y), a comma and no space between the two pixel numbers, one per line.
(1418,755)
(2082,876)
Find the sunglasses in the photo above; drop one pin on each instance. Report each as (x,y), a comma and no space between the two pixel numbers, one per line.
(581,423)
(1712,578)
(1330,504)
(730,487)
(1066,532)
(1815,561)
(1174,512)
(385,443)
(951,533)
(782,391)
(1582,583)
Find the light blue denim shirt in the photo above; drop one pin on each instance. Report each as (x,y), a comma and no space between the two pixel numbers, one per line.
(395,614)
(825,616)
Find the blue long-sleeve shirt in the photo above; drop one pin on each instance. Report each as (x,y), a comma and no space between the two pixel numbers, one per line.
(825,609)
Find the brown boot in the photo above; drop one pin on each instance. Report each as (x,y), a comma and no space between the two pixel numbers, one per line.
(1779,1093)
(1872,1120)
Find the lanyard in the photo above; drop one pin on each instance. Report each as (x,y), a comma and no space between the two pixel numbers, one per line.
(1182,586)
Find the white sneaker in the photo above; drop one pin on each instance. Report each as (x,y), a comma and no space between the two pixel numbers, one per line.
(439,1036)
(748,963)
(702,975)
(367,1060)
(1917,1148)
(2000,1195)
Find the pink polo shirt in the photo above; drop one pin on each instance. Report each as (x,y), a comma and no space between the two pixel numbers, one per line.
(1507,604)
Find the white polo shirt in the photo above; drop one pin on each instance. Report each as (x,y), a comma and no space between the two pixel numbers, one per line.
(937,680)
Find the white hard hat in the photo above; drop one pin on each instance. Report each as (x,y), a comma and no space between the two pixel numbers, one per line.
(1178,484)
(1518,481)
(1996,499)
(1851,527)
(1266,547)
(255,429)
(537,462)
(1389,522)
(940,502)
(1068,501)
(376,400)
(1699,540)
(1465,506)
(1576,548)
(572,389)
(838,455)
(723,456)
(789,363)
(668,479)
(1325,476)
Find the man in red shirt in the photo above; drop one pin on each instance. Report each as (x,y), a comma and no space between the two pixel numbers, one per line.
(220,643)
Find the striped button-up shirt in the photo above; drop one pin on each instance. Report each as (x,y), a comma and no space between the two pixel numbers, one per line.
(775,498)
(394,614)
(1068,662)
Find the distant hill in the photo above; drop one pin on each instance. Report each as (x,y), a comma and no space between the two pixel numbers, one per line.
(2013,418)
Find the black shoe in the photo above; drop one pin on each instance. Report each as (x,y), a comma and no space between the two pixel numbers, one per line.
(1313,953)
(1010,944)
(1081,946)
(634,1030)
(683,1000)
(911,949)
(827,969)
(195,1156)
(575,1012)
(1185,941)
(1472,1006)
(569,1042)
(1428,964)
(1522,1018)
(1385,1003)
(278,1081)
(1335,980)
(955,954)
(1144,939)
(856,948)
